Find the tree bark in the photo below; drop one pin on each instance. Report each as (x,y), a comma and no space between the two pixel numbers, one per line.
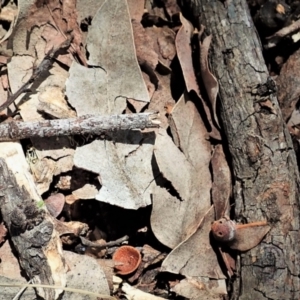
(32,232)
(266,179)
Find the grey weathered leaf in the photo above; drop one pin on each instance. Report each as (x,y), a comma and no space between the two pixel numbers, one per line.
(112,48)
(124,166)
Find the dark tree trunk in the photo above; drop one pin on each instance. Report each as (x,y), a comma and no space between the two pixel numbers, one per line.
(266,179)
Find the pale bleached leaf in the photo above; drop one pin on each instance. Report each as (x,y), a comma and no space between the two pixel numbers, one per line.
(86,89)
(80,269)
(168,158)
(111,47)
(124,166)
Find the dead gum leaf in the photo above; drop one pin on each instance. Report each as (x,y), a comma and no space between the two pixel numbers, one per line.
(209,80)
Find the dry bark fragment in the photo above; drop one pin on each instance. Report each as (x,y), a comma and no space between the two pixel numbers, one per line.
(264,163)
(32,233)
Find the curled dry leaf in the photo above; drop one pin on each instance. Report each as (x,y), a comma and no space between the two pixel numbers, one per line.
(3,232)
(221,188)
(161,98)
(242,237)
(163,39)
(288,85)
(55,204)
(8,14)
(209,80)
(184,52)
(146,56)
(74,228)
(194,256)
(175,217)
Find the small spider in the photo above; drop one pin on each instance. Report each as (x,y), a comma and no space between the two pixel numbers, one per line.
(262,91)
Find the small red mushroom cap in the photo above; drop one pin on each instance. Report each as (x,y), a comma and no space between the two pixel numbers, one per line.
(126,259)
(224,230)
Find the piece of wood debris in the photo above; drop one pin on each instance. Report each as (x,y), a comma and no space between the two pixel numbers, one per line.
(85,124)
(32,233)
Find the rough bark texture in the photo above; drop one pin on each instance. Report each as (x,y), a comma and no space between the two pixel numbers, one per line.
(32,233)
(263,159)
(81,125)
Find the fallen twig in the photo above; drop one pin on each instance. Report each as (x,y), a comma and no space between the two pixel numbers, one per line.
(67,289)
(88,243)
(44,66)
(88,124)
(273,39)
(22,290)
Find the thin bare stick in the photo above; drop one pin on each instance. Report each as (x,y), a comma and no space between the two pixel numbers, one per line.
(80,55)
(273,39)
(88,124)
(44,66)
(88,243)
(22,290)
(67,289)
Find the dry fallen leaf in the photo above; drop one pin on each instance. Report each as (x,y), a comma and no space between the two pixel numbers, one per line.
(194,256)
(221,188)
(61,18)
(112,48)
(146,56)
(124,165)
(20,68)
(184,52)
(136,9)
(177,216)
(288,85)
(201,288)
(55,204)
(79,276)
(163,39)
(161,98)
(88,191)
(209,80)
